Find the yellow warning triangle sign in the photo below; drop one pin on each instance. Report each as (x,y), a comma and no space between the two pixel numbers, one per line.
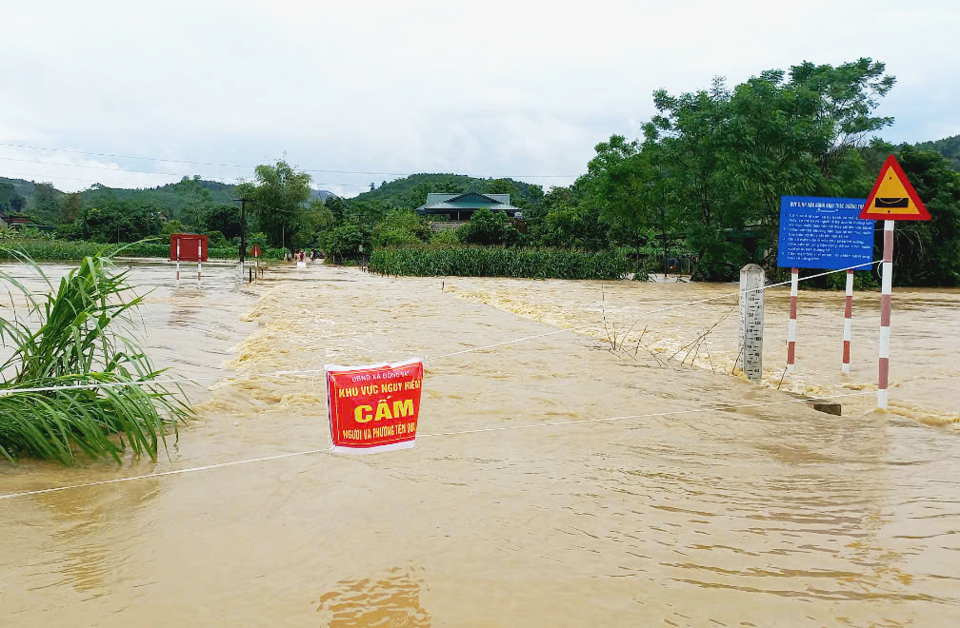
(893,198)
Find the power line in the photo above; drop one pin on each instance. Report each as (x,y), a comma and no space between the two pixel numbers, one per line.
(218,179)
(225,165)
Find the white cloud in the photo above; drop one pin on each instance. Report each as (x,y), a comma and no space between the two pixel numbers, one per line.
(494,88)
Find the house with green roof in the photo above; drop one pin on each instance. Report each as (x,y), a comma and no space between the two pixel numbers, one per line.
(460,207)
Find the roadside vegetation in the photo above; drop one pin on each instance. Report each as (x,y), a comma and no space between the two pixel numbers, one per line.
(80,334)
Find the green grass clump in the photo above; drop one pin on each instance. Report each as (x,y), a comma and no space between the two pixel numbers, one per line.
(499,262)
(81,333)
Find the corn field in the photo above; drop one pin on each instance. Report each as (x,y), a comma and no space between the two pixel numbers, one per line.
(498,262)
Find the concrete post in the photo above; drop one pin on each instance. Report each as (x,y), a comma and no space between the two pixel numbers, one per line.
(750,360)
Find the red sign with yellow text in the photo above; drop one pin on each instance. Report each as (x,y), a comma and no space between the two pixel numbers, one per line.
(374,408)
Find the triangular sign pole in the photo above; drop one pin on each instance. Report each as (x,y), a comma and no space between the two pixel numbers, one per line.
(892,199)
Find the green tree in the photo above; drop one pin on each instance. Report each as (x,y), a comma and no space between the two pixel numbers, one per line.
(346,241)
(223,218)
(10,199)
(928,253)
(337,207)
(844,98)
(118,221)
(489,228)
(664,211)
(691,131)
(279,195)
(621,188)
(47,202)
(400,227)
(72,204)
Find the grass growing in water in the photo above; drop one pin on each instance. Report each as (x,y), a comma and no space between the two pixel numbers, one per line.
(81,333)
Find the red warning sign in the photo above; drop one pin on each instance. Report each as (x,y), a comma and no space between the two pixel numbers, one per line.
(374,408)
(188,247)
(893,198)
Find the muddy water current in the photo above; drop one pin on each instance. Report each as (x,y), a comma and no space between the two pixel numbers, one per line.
(708,501)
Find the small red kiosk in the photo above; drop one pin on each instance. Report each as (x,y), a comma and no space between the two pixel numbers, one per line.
(188,247)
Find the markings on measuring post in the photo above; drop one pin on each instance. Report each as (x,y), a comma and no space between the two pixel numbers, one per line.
(752,279)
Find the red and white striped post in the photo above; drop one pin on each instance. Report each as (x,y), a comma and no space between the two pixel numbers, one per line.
(178,259)
(198,272)
(847,319)
(886,295)
(792,325)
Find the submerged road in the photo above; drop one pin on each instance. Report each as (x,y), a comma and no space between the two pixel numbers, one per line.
(767,515)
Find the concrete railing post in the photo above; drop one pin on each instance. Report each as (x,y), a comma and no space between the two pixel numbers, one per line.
(750,360)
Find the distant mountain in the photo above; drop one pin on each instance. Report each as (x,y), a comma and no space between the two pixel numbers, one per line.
(411,192)
(949,147)
(320,194)
(24,188)
(176,200)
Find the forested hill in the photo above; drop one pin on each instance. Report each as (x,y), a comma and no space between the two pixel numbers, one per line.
(411,191)
(44,202)
(949,147)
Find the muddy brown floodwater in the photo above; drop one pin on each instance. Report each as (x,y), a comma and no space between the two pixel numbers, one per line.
(765,513)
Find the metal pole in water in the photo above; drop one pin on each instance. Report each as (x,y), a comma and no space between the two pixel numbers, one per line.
(178,259)
(886,296)
(792,325)
(752,280)
(847,321)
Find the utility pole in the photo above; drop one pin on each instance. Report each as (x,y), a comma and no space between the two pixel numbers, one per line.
(243,228)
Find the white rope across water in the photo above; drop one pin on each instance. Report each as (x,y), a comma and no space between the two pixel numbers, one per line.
(497,428)
(10,391)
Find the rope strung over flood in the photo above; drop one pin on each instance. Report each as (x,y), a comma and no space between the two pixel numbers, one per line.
(221,465)
(314,372)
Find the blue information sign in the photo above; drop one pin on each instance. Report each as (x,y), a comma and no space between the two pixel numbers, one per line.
(823,233)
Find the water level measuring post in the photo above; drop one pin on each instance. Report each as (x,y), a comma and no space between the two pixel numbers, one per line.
(792,324)
(750,360)
(847,322)
(892,198)
(178,259)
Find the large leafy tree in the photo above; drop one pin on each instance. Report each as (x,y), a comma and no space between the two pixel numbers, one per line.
(620,184)
(279,197)
(47,201)
(401,227)
(72,204)
(844,99)
(928,253)
(10,199)
(225,219)
(691,129)
(489,228)
(118,221)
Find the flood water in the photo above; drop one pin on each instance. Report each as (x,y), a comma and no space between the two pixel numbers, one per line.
(763,513)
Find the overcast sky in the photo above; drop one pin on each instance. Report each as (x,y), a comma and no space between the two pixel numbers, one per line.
(492,88)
